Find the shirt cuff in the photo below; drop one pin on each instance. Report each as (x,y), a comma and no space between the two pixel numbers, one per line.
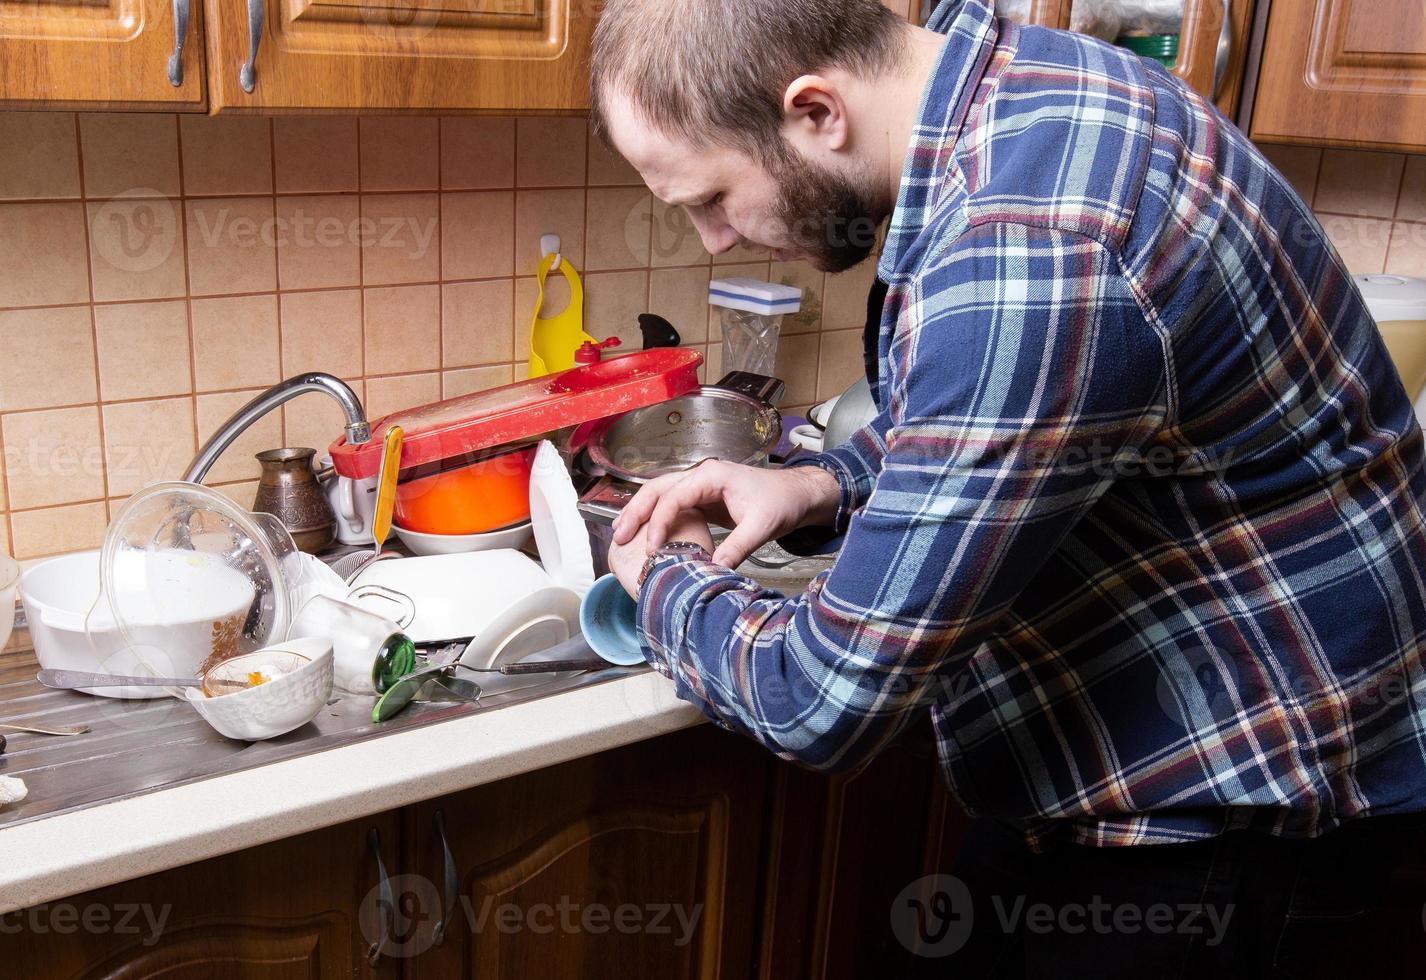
(847,485)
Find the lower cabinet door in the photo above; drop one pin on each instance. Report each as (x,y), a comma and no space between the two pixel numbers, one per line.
(307,907)
(640,862)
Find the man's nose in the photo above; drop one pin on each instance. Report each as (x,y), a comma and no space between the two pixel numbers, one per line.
(718,236)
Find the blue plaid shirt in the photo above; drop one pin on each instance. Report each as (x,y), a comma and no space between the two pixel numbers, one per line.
(1140,526)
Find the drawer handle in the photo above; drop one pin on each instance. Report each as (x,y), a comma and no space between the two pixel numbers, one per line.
(386,899)
(452,880)
(247,76)
(180,35)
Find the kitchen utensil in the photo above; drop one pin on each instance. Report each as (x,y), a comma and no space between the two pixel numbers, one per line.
(560,532)
(280,705)
(79,680)
(518,413)
(678,434)
(553,340)
(474,497)
(370,653)
(515,538)
(1398,304)
(189,579)
(386,486)
(62,730)
(406,690)
(657,332)
(752,312)
(609,620)
(288,489)
(9,585)
(542,667)
(854,409)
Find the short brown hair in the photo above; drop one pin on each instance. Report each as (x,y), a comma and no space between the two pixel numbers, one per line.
(714,71)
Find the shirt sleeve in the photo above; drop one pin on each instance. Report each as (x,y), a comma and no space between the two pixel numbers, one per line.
(1024,374)
(856,465)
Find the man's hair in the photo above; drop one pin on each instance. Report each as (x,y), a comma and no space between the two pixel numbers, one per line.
(713,72)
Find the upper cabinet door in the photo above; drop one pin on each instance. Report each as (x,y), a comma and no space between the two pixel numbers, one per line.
(1344,72)
(400,54)
(114,53)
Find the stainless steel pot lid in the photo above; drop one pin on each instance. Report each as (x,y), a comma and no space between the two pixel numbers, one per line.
(672,436)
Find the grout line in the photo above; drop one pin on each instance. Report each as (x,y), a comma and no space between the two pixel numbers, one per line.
(187,301)
(94,331)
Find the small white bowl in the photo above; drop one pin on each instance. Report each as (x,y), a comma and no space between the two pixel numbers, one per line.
(277,707)
(514,538)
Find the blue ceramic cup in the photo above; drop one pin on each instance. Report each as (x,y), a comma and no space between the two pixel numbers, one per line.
(610,622)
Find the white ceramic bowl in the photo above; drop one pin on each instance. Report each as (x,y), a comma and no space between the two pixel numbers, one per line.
(9,584)
(514,538)
(281,705)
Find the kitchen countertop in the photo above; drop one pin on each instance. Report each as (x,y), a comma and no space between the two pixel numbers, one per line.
(127,834)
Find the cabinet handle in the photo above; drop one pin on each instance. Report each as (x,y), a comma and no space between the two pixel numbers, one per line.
(180,34)
(452,881)
(1224,55)
(386,899)
(247,76)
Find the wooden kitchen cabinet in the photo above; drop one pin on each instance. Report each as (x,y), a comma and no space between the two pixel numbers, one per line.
(98,53)
(1343,73)
(407,55)
(297,908)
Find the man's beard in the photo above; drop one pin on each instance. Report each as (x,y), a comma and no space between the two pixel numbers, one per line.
(827,216)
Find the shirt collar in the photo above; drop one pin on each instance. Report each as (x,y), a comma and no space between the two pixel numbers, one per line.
(970,29)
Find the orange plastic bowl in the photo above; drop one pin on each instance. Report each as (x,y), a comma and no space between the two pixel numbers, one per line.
(482,496)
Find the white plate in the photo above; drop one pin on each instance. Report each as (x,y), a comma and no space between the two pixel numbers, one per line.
(514,538)
(560,532)
(529,627)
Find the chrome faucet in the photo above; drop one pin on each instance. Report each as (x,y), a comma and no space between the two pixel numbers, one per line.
(358,431)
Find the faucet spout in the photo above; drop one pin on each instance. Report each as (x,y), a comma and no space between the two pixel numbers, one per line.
(358,431)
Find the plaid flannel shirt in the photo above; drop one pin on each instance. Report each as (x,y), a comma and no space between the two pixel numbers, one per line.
(1140,524)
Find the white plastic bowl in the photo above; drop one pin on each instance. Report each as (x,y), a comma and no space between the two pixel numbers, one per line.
(9,584)
(281,705)
(513,538)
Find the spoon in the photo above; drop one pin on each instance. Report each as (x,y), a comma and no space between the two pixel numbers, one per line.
(72,679)
(53,730)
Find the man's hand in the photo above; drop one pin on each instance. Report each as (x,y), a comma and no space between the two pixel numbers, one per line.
(758,504)
(626,561)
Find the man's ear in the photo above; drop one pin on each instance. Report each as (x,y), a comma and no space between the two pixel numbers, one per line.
(815,115)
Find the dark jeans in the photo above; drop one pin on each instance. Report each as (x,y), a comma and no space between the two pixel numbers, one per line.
(1347,905)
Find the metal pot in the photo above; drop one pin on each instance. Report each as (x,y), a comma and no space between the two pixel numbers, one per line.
(714,422)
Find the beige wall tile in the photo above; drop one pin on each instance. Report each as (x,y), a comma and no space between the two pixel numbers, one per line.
(400,153)
(136,249)
(797,366)
(315,153)
(231,245)
(226,154)
(675,241)
(318,241)
(554,212)
(618,235)
(681,297)
(5,534)
(845,297)
(143,350)
(812,283)
(841,362)
(1412,206)
(322,332)
(401,238)
(477,235)
(612,304)
(1358,182)
(608,168)
(1362,242)
(48,358)
(477,153)
(237,462)
(53,456)
(315,420)
(402,329)
(242,492)
(44,254)
(56,530)
(387,395)
(39,156)
(1408,250)
(235,342)
(131,153)
(476,322)
(1299,164)
(713,365)
(146,442)
(469,380)
(550,151)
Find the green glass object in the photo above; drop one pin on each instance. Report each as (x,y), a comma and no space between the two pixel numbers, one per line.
(1163,48)
(395,659)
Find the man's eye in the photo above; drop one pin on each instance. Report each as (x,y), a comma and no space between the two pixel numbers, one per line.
(714,201)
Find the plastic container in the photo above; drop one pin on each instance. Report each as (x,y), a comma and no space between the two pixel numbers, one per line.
(1163,48)
(483,496)
(752,312)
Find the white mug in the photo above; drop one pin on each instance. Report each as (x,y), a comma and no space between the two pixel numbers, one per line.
(354,504)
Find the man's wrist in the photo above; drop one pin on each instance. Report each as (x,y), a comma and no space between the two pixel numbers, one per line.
(672,549)
(824,496)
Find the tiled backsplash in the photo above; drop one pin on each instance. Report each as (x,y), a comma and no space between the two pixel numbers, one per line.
(160,270)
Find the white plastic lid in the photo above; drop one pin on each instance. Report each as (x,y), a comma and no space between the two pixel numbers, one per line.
(755,296)
(1393,298)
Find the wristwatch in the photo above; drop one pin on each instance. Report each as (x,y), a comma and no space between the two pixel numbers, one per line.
(672,549)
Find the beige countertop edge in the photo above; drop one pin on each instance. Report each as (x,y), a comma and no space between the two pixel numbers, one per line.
(55,857)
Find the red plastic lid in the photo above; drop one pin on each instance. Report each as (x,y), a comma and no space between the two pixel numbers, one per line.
(521,411)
